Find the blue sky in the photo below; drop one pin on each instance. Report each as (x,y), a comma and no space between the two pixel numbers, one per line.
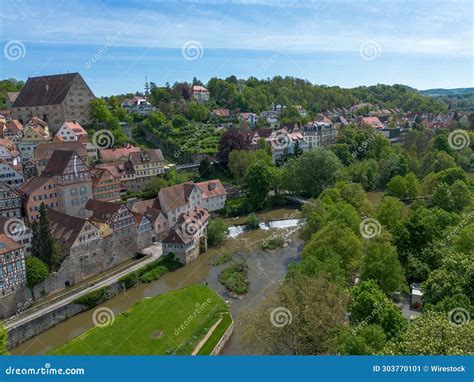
(115,44)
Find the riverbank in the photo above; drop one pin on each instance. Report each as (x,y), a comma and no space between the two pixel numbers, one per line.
(265,269)
(168,324)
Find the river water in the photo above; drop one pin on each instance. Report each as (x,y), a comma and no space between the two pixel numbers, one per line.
(265,269)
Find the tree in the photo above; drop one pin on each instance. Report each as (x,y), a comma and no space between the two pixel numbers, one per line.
(205,168)
(433,334)
(252,221)
(381,264)
(36,272)
(453,277)
(241,160)
(461,195)
(301,317)
(324,263)
(216,232)
(367,340)
(232,139)
(339,238)
(370,305)
(442,197)
(257,182)
(397,187)
(44,246)
(312,172)
(390,212)
(3,340)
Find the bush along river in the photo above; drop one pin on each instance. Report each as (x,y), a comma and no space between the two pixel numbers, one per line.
(263,268)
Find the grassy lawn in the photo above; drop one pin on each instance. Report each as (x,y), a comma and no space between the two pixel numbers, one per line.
(172,323)
(216,335)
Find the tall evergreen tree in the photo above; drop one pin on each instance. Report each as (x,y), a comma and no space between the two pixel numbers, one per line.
(44,246)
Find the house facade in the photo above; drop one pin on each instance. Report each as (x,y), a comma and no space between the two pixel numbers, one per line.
(73,181)
(34,133)
(37,191)
(55,99)
(105,185)
(201,94)
(10,174)
(71,131)
(12,266)
(143,166)
(10,202)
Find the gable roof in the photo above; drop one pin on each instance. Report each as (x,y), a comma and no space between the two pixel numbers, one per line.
(142,205)
(5,187)
(59,161)
(8,244)
(44,151)
(121,153)
(45,90)
(211,188)
(103,211)
(145,156)
(33,184)
(176,196)
(65,228)
(75,127)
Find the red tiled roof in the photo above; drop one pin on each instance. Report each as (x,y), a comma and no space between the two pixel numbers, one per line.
(8,244)
(211,188)
(121,153)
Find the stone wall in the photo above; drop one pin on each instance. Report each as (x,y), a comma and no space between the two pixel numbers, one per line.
(220,345)
(11,303)
(90,260)
(20,334)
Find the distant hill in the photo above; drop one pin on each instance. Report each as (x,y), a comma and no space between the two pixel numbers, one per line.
(446,92)
(461,99)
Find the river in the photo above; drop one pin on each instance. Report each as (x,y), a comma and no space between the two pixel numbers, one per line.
(265,269)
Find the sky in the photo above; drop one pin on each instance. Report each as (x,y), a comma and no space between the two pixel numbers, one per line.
(115,45)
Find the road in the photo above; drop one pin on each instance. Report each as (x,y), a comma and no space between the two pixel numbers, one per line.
(154,251)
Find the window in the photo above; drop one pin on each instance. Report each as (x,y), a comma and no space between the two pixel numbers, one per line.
(73,191)
(83,190)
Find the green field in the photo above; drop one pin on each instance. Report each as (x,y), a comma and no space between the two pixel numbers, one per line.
(172,323)
(216,335)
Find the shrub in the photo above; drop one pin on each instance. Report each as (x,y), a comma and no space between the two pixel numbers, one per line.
(252,221)
(154,274)
(273,242)
(234,278)
(93,298)
(216,232)
(225,258)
